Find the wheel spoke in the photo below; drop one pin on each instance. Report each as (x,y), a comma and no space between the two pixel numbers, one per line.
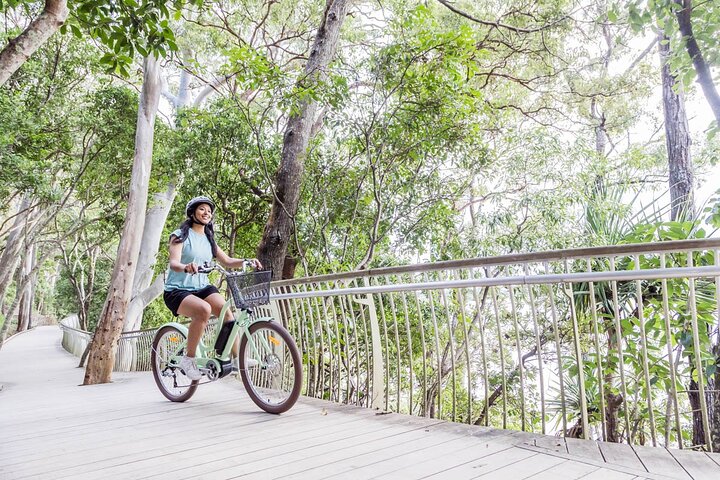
(274,383)
(173,384)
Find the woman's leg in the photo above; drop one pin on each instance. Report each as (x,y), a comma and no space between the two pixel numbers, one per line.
(216,302)
(198,310)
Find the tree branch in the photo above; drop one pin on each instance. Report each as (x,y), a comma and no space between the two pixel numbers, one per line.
(701,67)
(499,24)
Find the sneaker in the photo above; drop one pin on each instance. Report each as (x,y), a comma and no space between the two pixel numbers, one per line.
(190,368)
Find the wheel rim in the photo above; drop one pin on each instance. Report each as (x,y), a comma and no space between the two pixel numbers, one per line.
(170,379)
(270,369)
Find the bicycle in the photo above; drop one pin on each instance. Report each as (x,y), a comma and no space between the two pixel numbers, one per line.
(269,360)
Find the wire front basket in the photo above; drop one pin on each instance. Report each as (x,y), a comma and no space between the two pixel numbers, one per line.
(250,289)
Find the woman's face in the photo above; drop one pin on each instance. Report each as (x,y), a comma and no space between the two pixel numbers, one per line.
(203,213)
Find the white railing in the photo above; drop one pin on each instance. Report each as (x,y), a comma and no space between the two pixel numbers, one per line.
(603,343)
(133,349)
(527,342)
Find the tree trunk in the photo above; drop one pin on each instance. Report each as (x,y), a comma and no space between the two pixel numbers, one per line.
(101,356)
(26,296)
(715,405)
(698,435)
(142,292)
(19,49)
(677,141)
(693,49)
(279,227)
(10,258)
(22,282)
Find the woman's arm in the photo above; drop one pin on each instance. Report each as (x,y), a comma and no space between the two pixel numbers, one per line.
(229,262)
(175,251)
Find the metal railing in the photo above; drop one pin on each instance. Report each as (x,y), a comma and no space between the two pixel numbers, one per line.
(133,348)
(613,343)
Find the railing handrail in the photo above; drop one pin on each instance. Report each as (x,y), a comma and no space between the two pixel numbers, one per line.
(125,334)
(515,258)
(623,275)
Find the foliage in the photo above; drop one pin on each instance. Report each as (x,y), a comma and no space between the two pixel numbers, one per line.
(123,27)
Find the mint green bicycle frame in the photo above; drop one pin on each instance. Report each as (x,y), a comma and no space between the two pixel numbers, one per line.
(205,356)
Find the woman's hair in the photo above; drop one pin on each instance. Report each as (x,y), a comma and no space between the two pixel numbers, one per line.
(185,228)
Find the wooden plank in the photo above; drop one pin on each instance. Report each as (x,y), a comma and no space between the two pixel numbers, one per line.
(439,465)
(528,467)
(485,465)
(659,460)
(128,456)
(584,448)
(399,462)
(620,454)
(606,474)
(322,449)
(253,439)
(715,457)
(567,470)
(697,464)
(550,443)
(126,429)
(349,463)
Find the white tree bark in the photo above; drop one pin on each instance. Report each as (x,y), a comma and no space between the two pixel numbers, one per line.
(143,292)
(101,357)
(151,240)
(33,37)
(10,258)
(28,293)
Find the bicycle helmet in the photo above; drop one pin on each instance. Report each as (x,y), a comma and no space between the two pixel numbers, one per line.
(193,204)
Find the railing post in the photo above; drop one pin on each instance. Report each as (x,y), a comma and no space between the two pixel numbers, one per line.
(378,379)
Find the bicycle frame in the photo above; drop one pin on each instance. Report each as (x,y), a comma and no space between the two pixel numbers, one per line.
(205,356)
(270,365)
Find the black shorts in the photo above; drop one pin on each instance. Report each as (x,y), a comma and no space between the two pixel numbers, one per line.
(173,298)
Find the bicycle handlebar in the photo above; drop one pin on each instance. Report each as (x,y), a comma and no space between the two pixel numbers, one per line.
(208,267)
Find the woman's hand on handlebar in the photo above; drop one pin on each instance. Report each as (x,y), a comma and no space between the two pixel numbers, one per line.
(191,268)
(254,263)
(206,267)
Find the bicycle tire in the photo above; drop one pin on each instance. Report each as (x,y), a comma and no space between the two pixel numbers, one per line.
(164,345)
(261,380)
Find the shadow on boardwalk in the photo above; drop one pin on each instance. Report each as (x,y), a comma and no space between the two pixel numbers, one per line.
(52,428)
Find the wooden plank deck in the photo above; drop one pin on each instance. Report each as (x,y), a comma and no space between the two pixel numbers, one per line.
(52,428)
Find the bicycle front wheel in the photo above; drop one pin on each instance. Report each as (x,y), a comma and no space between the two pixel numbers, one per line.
(171,381)
(270,367)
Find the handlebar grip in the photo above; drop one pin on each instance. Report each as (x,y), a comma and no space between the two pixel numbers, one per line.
(206,268)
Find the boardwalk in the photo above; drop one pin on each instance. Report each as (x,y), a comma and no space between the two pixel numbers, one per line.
(51,428)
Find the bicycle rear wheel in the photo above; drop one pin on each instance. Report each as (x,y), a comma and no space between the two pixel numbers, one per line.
(171,381)
(270,367)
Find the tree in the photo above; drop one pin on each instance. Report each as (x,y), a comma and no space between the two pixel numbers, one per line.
(684,16)
(677,140)
(101,357)
(288,178)
(691,28)
(19,49)
(123,28)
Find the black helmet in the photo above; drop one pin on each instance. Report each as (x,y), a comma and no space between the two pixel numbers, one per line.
(193,204)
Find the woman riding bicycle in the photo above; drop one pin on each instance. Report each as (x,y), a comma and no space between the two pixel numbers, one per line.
(187,292)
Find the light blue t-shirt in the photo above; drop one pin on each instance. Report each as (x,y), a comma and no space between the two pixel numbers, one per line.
(196,248)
